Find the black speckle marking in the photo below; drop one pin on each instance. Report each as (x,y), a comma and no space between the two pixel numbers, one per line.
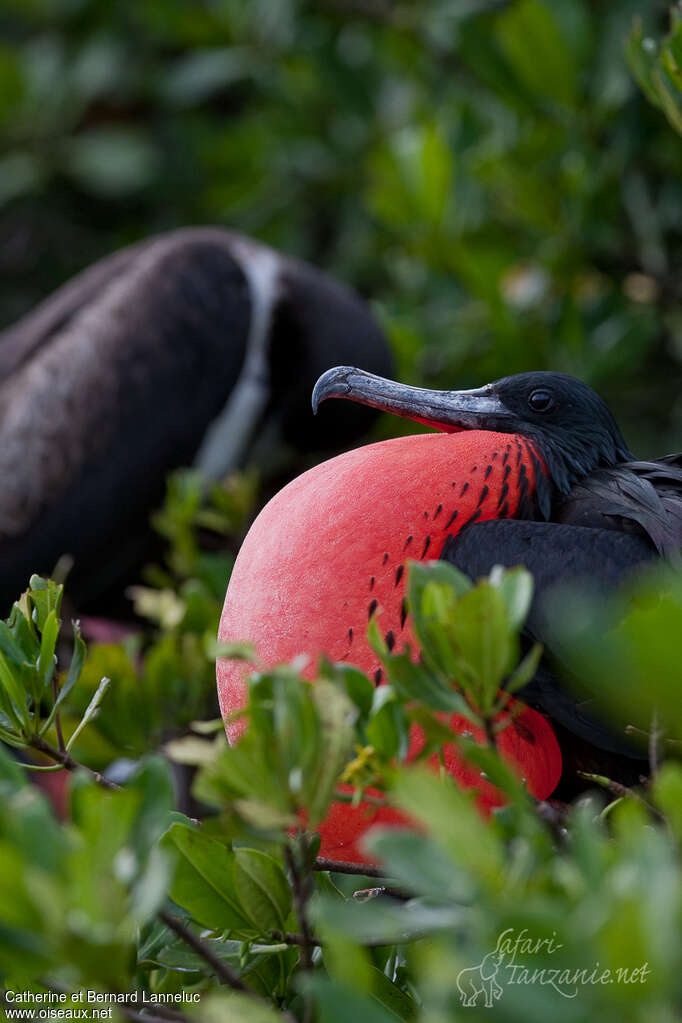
(372,608)
(426,515)
(474,468)
(371,583)
(399,574)
(503,494)
(403,613)
(378,674)
(350,635)
(519,452)
(472,518)
(408,542)
(522,509)
(427,544)
(507,472)
(484,494)
(454,483)
(504,510)
(465,487)
(390,640)
(438,511)
(451,519)
(495,454)
(385,559)
(488,470)
(506,456)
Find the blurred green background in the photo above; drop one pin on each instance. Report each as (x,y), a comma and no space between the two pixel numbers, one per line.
(489,174)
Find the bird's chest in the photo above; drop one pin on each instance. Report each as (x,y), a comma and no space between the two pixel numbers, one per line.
(331,551)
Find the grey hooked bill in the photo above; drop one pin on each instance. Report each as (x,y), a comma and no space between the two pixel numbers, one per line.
(445,410)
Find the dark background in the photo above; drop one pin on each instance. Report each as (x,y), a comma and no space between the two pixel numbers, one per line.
(488,173)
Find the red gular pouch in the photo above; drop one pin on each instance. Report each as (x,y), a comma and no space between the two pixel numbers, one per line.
(329,552)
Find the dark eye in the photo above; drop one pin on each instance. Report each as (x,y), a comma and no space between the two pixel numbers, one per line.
(541,401)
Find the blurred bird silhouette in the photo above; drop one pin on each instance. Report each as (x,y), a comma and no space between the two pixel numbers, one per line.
(191,348)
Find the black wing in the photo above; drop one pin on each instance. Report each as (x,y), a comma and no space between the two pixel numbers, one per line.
(641,497)
(555,553)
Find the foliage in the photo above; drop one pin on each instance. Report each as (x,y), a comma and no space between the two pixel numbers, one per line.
(659,69)
(164,679)
(489,173)
(236,916)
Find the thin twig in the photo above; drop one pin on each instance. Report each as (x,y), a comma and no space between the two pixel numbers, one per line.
(301,883)
(344,867)
(654,736)
(287,938)
(57,722)
(158,1011)
(301,889)
(36,742)
(222,970)
(620,790)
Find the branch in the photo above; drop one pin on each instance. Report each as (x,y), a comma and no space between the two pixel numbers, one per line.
(621,791)
(301,883)
(287,938)
(223,971)
(68,763)
(654,736)
(301,889)
(57,722)
(158,1011)
(344,867)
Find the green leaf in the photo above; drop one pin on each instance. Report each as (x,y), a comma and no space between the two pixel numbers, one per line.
(46,596)
(418,864)
(264,892)
(667,793)
(337,716)
(452,821)
(387,728)
(515,585)
(90,710)
(524,672)
(339,1003)
(204,881)
(48,642)
(72,676)
(531,39)
(16,702)
(110,162)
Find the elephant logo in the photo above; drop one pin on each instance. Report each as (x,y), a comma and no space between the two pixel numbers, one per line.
(480,980)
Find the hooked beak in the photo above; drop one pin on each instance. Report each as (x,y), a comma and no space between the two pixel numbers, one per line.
(448,411)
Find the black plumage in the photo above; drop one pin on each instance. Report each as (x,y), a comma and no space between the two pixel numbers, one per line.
(593,518)
(181,349)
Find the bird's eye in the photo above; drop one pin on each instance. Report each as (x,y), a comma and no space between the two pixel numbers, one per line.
(541,401)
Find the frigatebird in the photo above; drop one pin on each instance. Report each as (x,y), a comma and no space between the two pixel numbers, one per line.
(328,553)
(593,513)
(185,348)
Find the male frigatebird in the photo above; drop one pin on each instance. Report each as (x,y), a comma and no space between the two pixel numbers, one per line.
(329,551)
(597,512)
(180,349)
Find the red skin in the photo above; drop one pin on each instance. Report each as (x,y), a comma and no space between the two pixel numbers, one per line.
(331,544)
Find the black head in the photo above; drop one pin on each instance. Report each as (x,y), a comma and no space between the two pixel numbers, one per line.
(571,427)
